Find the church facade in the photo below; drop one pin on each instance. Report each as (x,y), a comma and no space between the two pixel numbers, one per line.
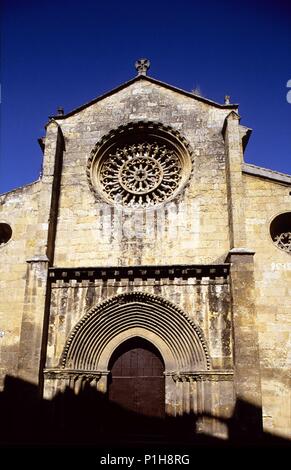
(152,264)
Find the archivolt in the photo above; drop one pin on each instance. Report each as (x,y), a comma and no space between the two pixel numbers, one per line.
(179,339)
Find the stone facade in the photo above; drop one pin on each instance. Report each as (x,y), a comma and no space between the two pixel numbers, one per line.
(196,248)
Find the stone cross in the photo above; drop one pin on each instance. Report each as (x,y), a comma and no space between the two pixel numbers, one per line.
(142,66)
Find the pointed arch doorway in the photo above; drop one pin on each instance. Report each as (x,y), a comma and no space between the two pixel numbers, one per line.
(137,385)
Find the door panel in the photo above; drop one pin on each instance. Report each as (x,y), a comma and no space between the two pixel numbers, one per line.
(137,380)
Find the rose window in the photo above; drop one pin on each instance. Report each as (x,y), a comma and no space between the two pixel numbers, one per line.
(139,165)
(140,174)
(280,231)
(283,241)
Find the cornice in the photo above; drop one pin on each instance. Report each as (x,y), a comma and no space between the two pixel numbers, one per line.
(186,271)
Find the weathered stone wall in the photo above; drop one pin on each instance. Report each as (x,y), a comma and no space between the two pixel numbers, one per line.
(31,212)
(193,230)
(219,209)
(207,302)
(19,209)
(264,200)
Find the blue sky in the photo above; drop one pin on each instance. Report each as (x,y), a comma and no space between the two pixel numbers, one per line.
(65,53)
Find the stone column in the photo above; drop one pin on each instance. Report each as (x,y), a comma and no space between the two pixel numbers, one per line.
(170,395)
(247,380)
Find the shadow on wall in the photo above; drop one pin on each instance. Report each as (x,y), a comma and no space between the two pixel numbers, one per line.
(90,419)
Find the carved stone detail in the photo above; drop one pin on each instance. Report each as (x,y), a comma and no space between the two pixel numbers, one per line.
(283,241)
(77,340)
(142,66)
(280,231)
(202,376)
(140,174)
(61,374)
(140,165)
(215,273)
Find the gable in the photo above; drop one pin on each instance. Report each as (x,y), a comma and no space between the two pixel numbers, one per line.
(147,80)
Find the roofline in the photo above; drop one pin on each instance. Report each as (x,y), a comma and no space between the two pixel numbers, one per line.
(151,80)
(20,187)
(265,173)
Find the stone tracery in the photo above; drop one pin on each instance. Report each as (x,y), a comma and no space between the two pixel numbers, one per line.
(283,241)
(280,231)
(141,174)
(140,165)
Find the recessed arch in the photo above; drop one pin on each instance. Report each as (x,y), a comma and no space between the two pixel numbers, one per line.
(180,341)
(143,333)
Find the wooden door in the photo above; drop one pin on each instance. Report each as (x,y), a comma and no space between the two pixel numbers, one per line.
(137,385)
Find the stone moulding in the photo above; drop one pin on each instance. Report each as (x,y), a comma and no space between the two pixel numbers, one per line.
(139,165)
(180,341)
(65,374)
(201,376)
(191,376)
(211,271)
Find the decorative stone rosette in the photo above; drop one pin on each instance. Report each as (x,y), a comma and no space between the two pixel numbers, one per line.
(140,175)
(280,231)
(283,241)
(144,165)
